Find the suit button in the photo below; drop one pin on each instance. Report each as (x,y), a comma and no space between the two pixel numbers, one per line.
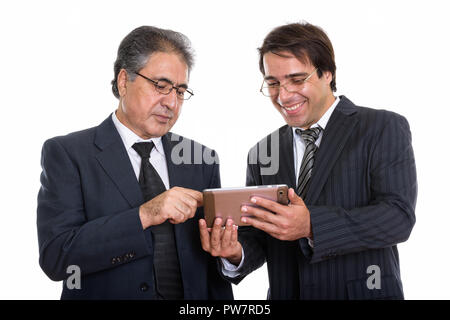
(332,254)
(113,261)
(143,287)
(131,254)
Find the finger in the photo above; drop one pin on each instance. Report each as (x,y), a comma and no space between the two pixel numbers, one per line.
(268,204)
(177,218)
(264,226)
(294,198)
(226,237)
(188,201)
(216,234)
(182,208)
(204,235)
(234,234)
(261,214)
(197,196)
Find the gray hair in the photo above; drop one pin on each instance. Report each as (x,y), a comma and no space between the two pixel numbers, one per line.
(137,47)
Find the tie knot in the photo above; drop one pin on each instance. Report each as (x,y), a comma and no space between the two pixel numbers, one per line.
(144,148)
(309,135)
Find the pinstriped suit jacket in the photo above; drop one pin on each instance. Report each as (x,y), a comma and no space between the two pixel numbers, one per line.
(361,198)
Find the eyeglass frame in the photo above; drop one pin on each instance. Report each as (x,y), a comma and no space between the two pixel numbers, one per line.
(283,85)
(155,83)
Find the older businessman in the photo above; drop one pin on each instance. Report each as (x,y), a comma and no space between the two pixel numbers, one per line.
(114,200)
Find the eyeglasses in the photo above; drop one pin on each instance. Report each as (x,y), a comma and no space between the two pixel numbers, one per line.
(165,87)
(272,89)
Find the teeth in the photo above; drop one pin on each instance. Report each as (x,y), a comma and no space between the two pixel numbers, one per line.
(294,106)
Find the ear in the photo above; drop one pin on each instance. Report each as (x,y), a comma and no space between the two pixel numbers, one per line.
(328,76)
(122,79)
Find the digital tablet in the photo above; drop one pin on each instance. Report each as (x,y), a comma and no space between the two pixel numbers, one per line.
(227,202)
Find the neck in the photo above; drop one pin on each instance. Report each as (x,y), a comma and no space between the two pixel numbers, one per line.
(123,120)
(328,103)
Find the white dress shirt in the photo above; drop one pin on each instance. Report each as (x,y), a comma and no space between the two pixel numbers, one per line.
(299,146)
(157,156)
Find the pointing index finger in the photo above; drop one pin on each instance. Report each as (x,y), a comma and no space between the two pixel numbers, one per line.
(197,195)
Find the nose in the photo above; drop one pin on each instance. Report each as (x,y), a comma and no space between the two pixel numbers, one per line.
(170,100)
(284,95)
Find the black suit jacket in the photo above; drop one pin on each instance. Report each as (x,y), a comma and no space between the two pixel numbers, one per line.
(361,197)
(88,215)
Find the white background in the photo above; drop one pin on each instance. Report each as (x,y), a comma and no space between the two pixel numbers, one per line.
(57,63)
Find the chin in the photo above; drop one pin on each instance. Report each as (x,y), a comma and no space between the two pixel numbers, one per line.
(295,122)
(160,130)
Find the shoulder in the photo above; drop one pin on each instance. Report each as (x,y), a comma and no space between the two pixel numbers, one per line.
(381,122)
(372,118)
(72,141)
(63,152)
(99,136)
(377,116)
(380,116)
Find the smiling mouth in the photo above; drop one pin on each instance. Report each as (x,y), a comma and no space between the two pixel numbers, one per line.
(295,106)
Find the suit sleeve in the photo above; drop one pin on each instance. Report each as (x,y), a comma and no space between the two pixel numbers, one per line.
(65,235)
(389,216)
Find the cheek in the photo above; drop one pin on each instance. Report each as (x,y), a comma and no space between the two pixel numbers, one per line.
(145,105)
(275,103)
(176,114)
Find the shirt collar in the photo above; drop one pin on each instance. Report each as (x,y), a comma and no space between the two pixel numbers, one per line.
(323,121)
(129,137)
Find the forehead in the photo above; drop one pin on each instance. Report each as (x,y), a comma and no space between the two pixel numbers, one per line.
(167,65)
(283,64)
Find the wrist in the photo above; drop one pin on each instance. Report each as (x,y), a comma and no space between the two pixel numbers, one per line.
(310,234)
(237,257)
(144,217)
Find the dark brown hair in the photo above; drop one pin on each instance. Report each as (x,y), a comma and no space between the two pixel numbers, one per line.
(305,41)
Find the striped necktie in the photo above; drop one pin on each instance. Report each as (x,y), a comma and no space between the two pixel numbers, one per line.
(309,136)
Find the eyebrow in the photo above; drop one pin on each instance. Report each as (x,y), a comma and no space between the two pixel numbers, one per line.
(298,74)
(289,76)
(183,85)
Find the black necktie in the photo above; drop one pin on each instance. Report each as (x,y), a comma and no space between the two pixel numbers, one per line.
(168,282)
(309,136)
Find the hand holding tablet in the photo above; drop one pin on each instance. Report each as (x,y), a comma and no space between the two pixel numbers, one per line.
(226,203)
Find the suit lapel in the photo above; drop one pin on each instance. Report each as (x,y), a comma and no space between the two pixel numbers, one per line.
(287,168)
(335,136)
(115,161)
(174,171)
(176,174)
(283,157)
